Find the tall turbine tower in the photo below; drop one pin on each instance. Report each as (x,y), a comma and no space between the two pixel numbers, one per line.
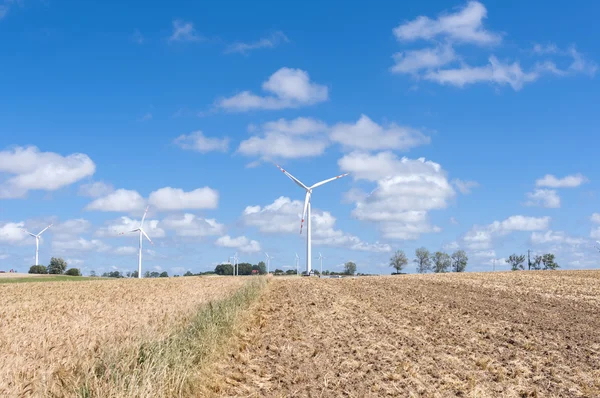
(269,258)
(141,231)
(297,262)
(37,242)
(306,212)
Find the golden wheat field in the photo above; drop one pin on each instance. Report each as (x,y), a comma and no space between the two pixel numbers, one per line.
(521,334)
(78,338)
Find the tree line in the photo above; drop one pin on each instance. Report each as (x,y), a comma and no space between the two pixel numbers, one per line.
(543,262)
(437,262)
(57,266)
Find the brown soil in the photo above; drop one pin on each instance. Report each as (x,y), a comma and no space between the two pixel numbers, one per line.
(473,335)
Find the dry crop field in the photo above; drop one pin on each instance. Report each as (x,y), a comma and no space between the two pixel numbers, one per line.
(107,337)
(473,335)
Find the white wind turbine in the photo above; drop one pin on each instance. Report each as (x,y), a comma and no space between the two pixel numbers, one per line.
(297,262)
(306,212)
(142,232)
(321,260)
(37,242)
(269,258)
(235,264)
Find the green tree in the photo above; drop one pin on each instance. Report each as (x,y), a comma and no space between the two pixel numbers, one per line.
(536,264)
(516,262)
(278,271)
(93,273)
(163,274)
(349,268)
(73,272)
(548,261)
(290,272)
(38,269)
(244,269)
(441,262)
(57,266)
(262,268)
(188,273)
(423,260)
(398,261)
(459,261)
(224,269)
(134,274)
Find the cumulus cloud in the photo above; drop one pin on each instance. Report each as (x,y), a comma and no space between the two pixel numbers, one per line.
(482,237)
(287,88)
(465,25)
(121,200)
(406,190)
(27,168)
(544,198)
(555,237)
(240,243)
(70,229)
(197,141)
(184,31)
(570,181)
(12,233)
(126,250)
(177,199)
(79,245)
(370,136)
(95,189)
(284,214)
(272,41)
(464,186)
(413,61)
(190,225)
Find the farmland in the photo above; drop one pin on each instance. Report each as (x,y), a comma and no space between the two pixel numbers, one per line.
(474,335)
(113,337)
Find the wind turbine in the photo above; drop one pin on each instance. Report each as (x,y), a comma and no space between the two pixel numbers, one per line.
(321,260)
(37,242)
(269,258)
(141,231)
(306,212)
(235,264)
(297,262)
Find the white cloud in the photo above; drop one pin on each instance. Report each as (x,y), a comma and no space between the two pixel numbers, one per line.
(240,243)
(126,250)
(579,63)
(121,200)
(79,245)
(407,189)
(481,238)
(283,216)
(570,181)
(124,225)
(190,225)
(414,61)
(555,237)
(95,189)
(543,197)
(495,72)
(184,31)
(370,136)
(11,232)
(595,233)
(197,141)
(29,169)
(288,139)
(465,25)
(177,199)
(289,88)
(70,229)
(267,42)
(596,218)
(464,186)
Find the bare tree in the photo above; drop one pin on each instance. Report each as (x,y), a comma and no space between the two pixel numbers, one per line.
(516,262)
(459,261)
(441,262)
(398,260)
(423,260)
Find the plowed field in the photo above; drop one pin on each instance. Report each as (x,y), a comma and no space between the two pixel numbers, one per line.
(472,335)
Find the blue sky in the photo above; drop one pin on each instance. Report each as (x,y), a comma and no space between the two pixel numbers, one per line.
(464,125)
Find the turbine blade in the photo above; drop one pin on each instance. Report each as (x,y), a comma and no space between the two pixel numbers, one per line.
(306,200)
(144,217)
(27,232)
(297,181)
(318,184)
(147,237)
(44,230)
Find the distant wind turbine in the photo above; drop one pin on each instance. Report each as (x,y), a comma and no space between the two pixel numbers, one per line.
(142,232)
(269,258)
(306,212)
(321,260)
(37,242)
(297,262)
(235,264)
